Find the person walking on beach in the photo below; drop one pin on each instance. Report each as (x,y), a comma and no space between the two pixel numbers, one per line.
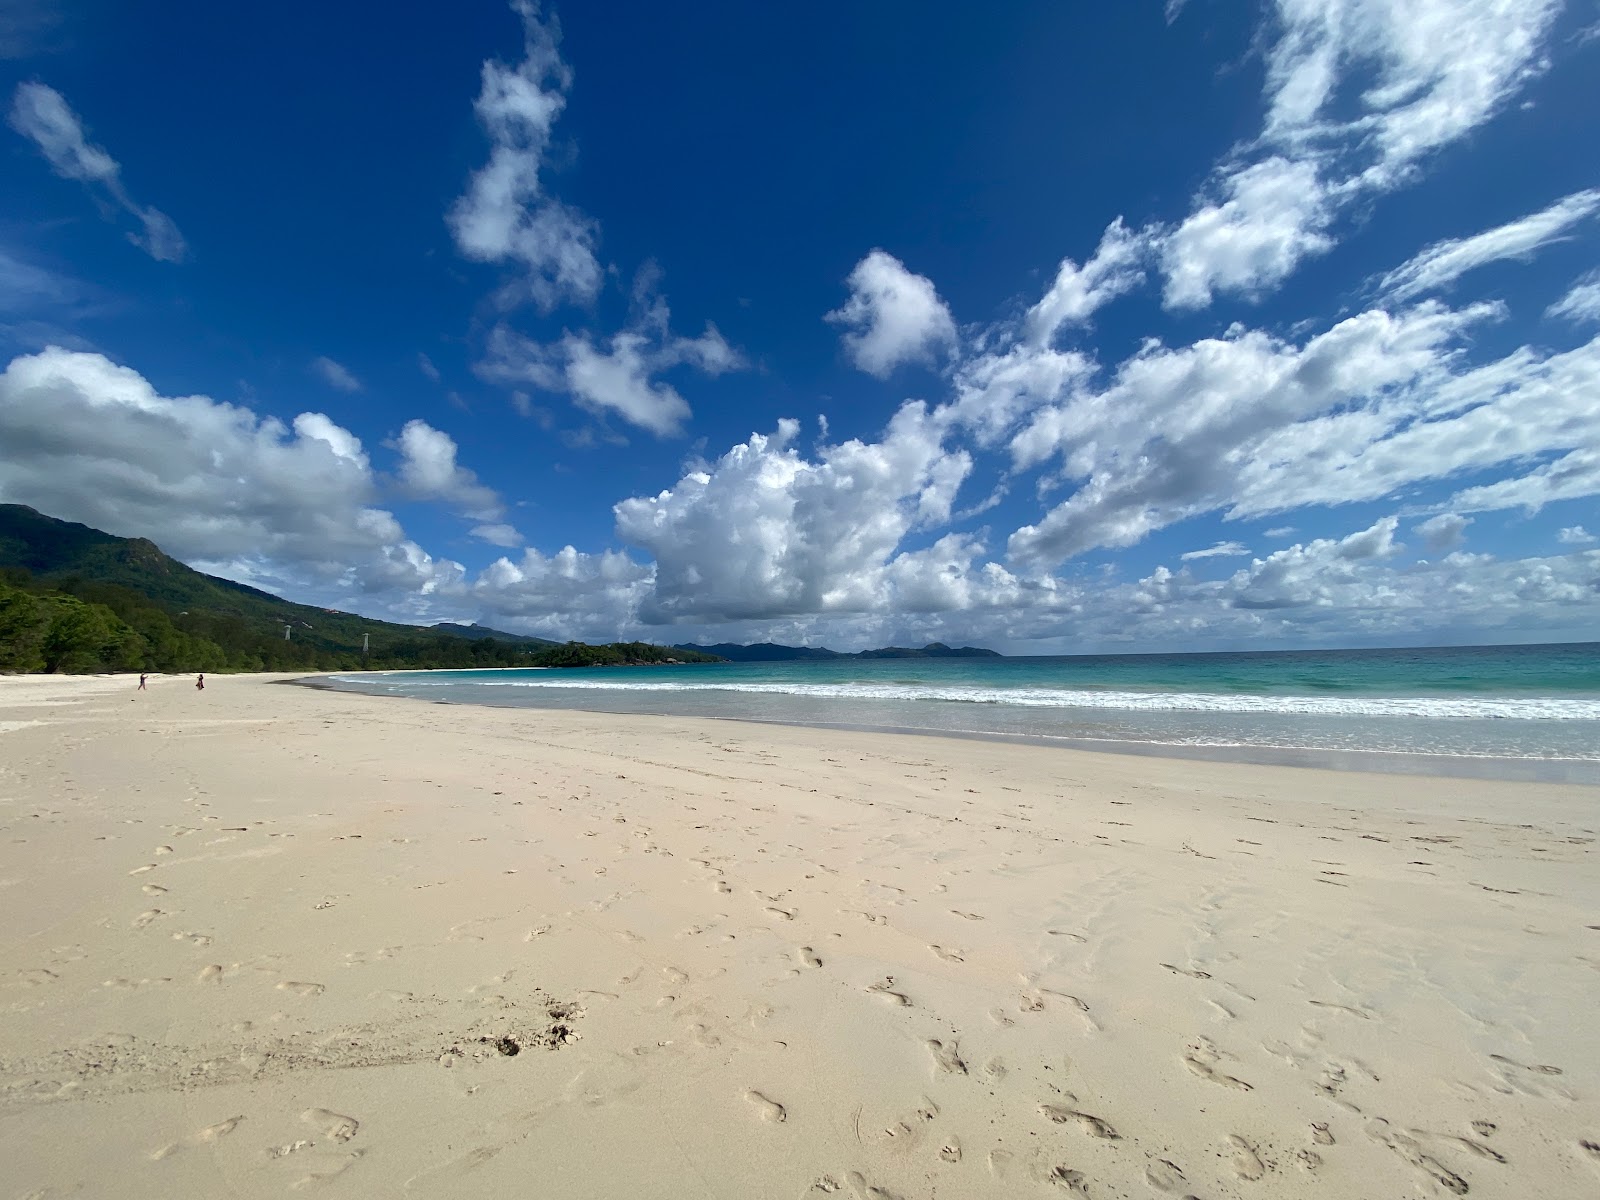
(142,687)
(200,682)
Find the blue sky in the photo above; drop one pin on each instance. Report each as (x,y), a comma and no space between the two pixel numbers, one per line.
(1145,326)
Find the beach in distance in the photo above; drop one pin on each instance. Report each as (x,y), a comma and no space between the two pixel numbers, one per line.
(263,940)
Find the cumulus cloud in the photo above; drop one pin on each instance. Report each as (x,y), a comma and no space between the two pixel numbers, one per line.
(290,506)
(1442,263)
(1581,302)
(40,114)
(335,375)
(1218,550)
(1444,532)
(506,214)
(568,594)
(429,471)
(620,375)
(892,316)
(1242,423)
(1269,217)
(1115,268)
(1575,535)
(765,532)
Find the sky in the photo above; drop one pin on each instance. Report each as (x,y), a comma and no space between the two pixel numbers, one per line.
(1155,326)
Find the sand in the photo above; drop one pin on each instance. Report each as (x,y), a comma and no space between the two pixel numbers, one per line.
(269,938)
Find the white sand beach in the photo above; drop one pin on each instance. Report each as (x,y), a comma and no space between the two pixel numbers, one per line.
(269,938)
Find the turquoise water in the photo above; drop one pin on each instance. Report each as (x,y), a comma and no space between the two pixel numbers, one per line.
(1527,703)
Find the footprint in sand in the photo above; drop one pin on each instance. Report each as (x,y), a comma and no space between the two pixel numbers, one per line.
(145,918)
(1069,1180)
(318,1178)
(1165,1176)
(1192,974)
(1090,1124)
(966,916)
(807,957)
(1246,1162)
(885,990)
(143,869)
(1321,1136)
(153,889)
(950,1152)
(946,1057)
(948,954)
(302,989)
(1409,1149)
(782,914)
(1537,1070)
(767,1109)
(331,1124)
(1202,1059)
(206,1136)
(210,974)
(866,1191)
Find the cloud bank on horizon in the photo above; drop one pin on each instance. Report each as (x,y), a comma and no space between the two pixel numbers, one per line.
(1117,459)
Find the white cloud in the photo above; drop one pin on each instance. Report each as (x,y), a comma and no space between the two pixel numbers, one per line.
(565,595)
(1269,217)
(1358,95)
(287,506)
(425,365)
(766,533)
(1281,531)
(497,534)
(506,215)
(1582,301)
(42,115)
(1247,423)
(1444,532)
(892,316)
(1575,535)
(1442,263)
(335,375)
(1077,292)
(620,377)
(429,471)
(1219,550)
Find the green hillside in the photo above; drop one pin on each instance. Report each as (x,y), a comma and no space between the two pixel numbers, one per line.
(74,598)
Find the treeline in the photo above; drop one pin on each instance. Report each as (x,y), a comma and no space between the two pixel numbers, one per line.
(79,626)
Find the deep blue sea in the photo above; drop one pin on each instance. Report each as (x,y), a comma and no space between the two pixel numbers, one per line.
(1509,711)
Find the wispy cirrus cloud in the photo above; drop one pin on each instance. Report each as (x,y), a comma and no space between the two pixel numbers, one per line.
(41,114)
(1442,263)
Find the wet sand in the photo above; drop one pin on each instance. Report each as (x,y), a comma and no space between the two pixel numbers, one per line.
(266,939)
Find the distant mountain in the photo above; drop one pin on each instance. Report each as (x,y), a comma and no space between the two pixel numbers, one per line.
(771,652)
(476,633)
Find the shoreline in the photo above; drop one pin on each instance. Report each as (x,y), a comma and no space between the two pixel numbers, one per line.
(261,939)
(1578,772)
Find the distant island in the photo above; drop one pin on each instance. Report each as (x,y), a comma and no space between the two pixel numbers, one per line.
(772,652)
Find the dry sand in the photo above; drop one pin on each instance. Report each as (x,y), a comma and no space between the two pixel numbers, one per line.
(269,938)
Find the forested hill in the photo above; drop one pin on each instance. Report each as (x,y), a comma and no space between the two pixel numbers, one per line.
(77,599)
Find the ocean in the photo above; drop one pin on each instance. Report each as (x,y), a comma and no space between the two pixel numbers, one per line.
(1514,712)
